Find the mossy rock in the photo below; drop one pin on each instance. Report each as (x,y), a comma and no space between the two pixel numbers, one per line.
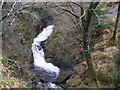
(64,76)
(74,82)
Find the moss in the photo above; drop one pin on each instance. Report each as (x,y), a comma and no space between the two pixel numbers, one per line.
(88,80)
(7,79)
(1,58)
(106,75)
(106,79)
(7,82)
(100,57)
(87,83)
(111,42)
(99,47)
(23,86)
(118,78)
(75,83)
(10,82)
(116,56)
(80,61)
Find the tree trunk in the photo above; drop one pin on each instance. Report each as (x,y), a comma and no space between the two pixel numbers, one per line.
(117,36)
(118,29)
(116,23)
(86,24)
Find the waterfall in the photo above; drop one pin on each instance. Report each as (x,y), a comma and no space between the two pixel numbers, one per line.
(45,71)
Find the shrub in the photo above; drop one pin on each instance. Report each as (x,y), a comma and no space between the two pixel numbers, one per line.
(116,56)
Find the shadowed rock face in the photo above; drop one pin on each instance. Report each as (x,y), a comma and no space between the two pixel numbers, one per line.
(46,21)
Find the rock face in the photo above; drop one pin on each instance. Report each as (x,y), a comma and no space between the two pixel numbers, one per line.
(44,71)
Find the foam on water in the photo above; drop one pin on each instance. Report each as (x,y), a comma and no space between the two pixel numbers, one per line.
(39,57)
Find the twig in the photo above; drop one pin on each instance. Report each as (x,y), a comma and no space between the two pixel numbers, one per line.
(74,25)
(72,19)
(71,7)
(2,1)
(25,11)
(13,13)
(9,12)
(72,13)
(76,19)
(78,5)
(12,8)
(12,21)
(96,16)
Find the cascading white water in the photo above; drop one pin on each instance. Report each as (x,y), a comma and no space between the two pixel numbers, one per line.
(48,72)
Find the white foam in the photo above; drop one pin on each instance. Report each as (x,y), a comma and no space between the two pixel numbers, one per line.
(44,34)
(38,53)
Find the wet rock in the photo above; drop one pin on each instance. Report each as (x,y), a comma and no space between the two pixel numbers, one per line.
(44,75)
(64,75)
(48,86)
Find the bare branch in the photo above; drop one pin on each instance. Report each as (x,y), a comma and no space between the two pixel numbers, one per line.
(89,14)
(116,23)
(95,5)
(76,19)
(2,1)
(74,25)
(82,10)
(12,21)
(72,19)
(32,14)
(14,12)
(12,8)
(24,11)
(71,7)
(97,16)
(10,11)
(77,5)
(72,13)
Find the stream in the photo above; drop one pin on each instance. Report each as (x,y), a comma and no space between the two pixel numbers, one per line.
(46,73)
